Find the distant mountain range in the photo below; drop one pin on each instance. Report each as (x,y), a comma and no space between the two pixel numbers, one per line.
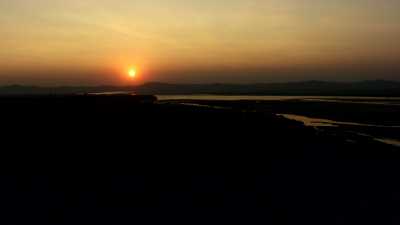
(362,88)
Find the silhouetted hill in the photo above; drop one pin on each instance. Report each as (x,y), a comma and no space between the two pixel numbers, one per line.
(362,88)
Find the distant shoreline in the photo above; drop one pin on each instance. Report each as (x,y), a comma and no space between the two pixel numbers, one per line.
(375,88)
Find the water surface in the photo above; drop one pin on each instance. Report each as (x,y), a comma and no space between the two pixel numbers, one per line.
(317,122)
(338,99)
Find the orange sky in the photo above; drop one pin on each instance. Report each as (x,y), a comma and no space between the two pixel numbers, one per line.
(57,42)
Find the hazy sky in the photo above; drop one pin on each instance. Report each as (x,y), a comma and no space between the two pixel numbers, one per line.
(96,41)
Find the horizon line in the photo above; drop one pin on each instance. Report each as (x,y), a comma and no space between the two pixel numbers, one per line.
(195,83)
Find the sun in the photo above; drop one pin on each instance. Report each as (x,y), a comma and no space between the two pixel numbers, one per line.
(132,73)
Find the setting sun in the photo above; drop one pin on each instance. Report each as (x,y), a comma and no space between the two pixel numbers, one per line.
(132,73)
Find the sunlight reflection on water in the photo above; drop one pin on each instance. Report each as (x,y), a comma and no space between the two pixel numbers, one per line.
(316,122)
(338,99)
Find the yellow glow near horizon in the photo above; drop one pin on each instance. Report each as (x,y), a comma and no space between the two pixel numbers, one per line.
(132,73)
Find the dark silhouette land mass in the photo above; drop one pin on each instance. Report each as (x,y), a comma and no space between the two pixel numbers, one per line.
(121,159)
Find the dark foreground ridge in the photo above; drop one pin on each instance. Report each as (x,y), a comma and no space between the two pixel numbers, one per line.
(120,160)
